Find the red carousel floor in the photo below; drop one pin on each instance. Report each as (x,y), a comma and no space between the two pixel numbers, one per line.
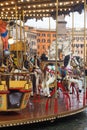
(42,108)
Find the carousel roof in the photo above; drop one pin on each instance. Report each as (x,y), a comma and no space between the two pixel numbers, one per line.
(27,9)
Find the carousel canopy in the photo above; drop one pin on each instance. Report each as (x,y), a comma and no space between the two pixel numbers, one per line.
(28,9)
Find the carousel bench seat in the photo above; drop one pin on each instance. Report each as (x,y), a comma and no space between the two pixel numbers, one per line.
(20,85)
(16,85)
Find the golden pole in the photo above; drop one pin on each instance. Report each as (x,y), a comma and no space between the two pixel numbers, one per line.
(50,38)
(56,58)
(56,67)
(9,29)
(84,51)
(85,31)
(20,28)
(21,57)
(16,22)
(72,30)
(16,33)
(24,35)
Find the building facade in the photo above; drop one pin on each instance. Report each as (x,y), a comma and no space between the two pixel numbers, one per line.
(38,41)
(44,39)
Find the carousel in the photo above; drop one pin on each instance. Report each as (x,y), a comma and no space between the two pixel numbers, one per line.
(56,87)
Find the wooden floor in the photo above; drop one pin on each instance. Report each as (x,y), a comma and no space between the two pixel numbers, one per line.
(42,108)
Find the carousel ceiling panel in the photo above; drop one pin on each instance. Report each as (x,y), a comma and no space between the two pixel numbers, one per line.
(27,9)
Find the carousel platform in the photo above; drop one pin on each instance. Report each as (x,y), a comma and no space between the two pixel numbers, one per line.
(40,109)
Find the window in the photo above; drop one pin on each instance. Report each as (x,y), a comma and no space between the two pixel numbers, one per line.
(43,40)
(43,34)
(82,45)
(73,45)
(77,45)
(54,35)
(38,34)
(48,41)
(48,35)
(38,40)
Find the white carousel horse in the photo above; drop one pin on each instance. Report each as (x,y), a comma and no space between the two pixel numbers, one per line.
(73,65)
(72,62)
(75,83)
(74,78)
(51,77)
(38,75)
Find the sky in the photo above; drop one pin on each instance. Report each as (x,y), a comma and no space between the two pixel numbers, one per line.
(78,22)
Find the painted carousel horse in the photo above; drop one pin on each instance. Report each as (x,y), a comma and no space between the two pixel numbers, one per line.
(36,76)
(74,67)
(50,79)
(49,84)
(72,63)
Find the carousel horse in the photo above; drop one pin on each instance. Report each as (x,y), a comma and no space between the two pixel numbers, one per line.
(35,74)
(65,46)
(73,64)
(48,84)
(50,78)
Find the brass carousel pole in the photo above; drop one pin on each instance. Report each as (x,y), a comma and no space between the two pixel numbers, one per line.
(20,28)
(21,57)
(85,58)
(16,33)
(56,58)
(50,38)
(24,34)
(24,54)
(85,62)
(72,31)
(9,29)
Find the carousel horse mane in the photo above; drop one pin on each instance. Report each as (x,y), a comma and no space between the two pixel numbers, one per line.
(50,78)
(78,61)
(75,61)
(66,60)
(61,71)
